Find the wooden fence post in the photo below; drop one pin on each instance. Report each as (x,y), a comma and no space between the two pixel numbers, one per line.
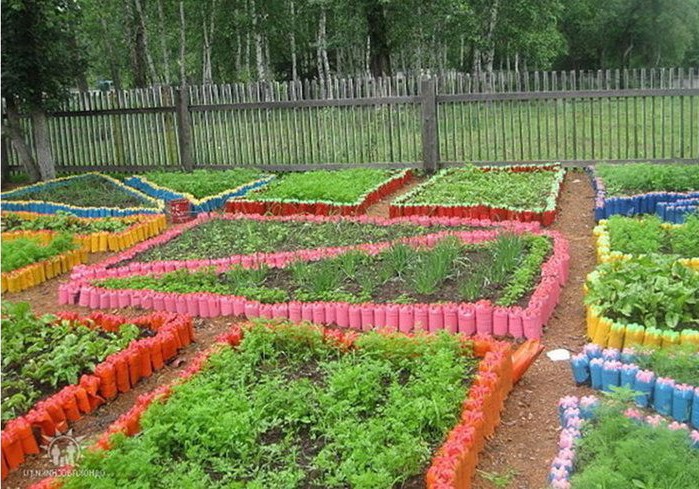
(430,143)
(184,127)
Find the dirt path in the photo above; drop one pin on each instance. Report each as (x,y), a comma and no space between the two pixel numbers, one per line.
(380,209)
(524,443)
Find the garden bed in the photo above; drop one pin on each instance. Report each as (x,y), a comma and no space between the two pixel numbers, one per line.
(85,195)
(647,300)
(31,258)
(55,369)
(197,291)
(632,189)
(206,190)
(665,379)
(678,211)
(524,193)
(339,192)
(214,239)
(325,397)
(93,235)
(608,445)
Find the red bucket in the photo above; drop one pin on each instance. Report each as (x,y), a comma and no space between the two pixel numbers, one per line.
(180,210)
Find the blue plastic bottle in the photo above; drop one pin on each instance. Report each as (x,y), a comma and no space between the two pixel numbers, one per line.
(645,381)
(580,365)
(662,395)
(682,396)
(596,373)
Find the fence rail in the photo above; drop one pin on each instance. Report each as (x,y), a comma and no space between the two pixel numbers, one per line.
(427,127)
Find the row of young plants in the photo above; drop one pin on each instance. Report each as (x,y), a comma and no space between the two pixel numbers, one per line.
(56,368)
(31,260)
(503,271)
(606,443)
(84,195)
(312,407)
(91,234)
(641,188)
(341,192)
(206,190)
(213,237)
(524,193)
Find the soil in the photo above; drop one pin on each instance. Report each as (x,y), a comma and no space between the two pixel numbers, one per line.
(380,209)
(526,440)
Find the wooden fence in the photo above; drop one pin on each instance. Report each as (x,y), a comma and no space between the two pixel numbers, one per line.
(392,122)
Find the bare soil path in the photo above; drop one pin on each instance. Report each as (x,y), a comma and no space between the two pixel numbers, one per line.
(524,443)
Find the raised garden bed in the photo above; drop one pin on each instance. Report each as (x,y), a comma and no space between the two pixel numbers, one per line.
(55,369)
(666,380)
(32,257)
(621,238)
(206,190)
(85,195)
(93,235)
(609,445)
(678,211)
(208,297)
(320,408)
(639,188)
(524,193)
(340,192)
(214,239)
(647,300)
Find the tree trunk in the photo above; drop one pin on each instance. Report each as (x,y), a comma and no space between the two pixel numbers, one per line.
(12,129)
(163,43)
(42,143)
(490,53)
(144,37)
(322,54)
(379,55)
(259,55)
(183,70)
(476,67)
(207,71)
(109,46)
(138,62)
(292,42)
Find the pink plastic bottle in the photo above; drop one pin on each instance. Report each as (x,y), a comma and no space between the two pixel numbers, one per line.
(531,322)
(406,318)
(280,311)
(226,306)
(367,313)
(467,319)
(380,316)
(307,311)
(295,312)
(484,317)
(192,304)
(514,323)
(214,306)
(392,317)
(203,301)
(451,320)
(500,317)
(421,314)
(355,316)
(436,319)
(252,309)
(318,316)
(330,309)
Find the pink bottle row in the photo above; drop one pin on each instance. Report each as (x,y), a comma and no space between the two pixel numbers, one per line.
(469,318)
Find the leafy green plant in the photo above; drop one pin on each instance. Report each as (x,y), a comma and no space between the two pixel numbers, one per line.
(647,234)
(39,356)
(528,270)
(340,186)
(88,191)
(18,253)
(62,222)
(684,240)
(679,362)
(639,178)
(616,451)
(286,409)
(654,291)
(497,188)
(428,273)
(204,183)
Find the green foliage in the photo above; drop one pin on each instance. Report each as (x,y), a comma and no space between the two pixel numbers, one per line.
(62,222)
(18,253)
(340,186)
(679,362)
(40,56)
(640,178)
(472,186)
(220,238)
(646,234)
(616,451)
(39,357)
(204,183)
(399,274)
(654,291)
(88,191)
(285,409)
